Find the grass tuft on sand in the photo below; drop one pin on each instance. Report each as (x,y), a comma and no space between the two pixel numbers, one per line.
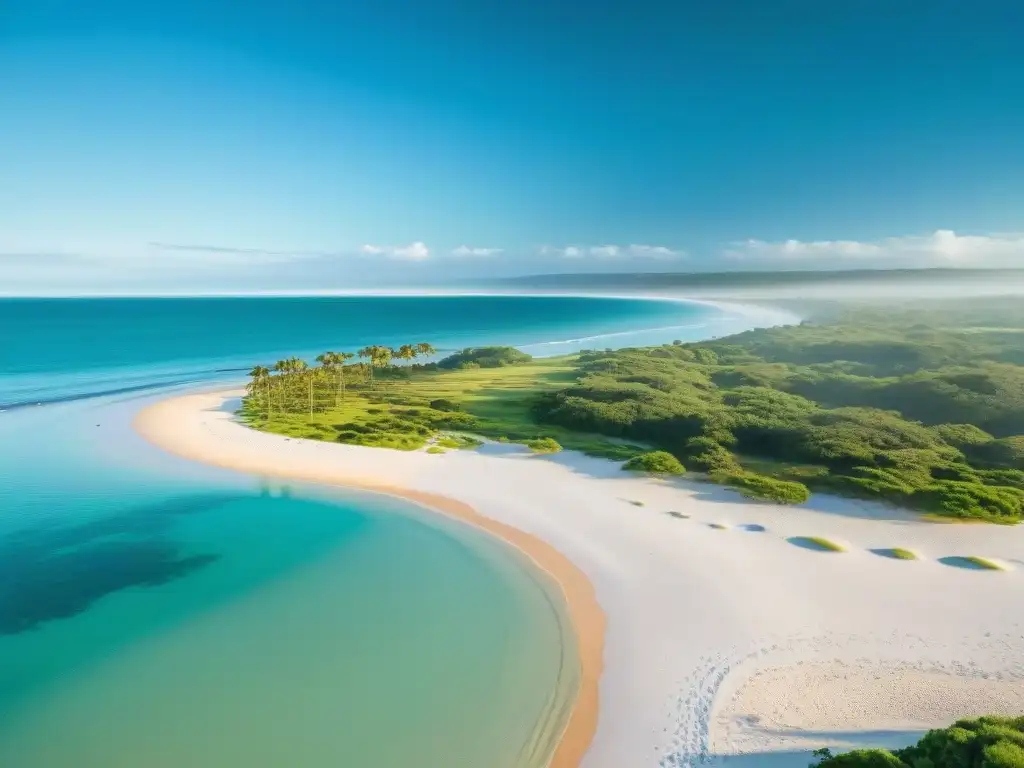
(898,553)
(817,543)
(984,563)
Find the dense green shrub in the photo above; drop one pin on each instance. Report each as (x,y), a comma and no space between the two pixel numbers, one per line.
(866,405)
(543,445)
(655,463)
(985,742)
(762,487)
(484,357)
(959,499)
(708,455)
(443,404)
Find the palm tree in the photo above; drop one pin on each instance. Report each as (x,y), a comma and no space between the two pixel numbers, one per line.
(406,352)
(425,350)
(261,376)
(382,356)
(283,367)
(327,362)
(301,368)
(368,353)
(343,357)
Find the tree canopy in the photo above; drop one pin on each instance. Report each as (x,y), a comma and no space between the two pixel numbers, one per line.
(985,742)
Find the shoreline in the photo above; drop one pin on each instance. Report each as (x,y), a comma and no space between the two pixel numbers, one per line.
(699,594)
(585,613)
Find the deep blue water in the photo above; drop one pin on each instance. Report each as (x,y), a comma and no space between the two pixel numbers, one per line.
(53,349)
(158,612)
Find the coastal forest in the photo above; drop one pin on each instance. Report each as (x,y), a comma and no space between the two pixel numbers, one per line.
(920,406)
(984,742)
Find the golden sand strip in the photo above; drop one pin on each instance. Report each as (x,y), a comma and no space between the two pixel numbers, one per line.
(157,424)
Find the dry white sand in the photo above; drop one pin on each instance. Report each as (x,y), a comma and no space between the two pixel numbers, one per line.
(725,644)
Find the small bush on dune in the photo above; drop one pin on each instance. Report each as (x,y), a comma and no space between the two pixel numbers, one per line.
(819,543)
(898,553)
(984,563)
(655,463)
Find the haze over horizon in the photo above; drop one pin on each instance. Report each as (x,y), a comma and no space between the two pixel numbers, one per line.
(215,146)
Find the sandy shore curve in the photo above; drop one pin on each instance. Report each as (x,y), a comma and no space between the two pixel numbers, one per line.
(161,424)
(722,644)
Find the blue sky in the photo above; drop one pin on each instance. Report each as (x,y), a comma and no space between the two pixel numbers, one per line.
(211,145)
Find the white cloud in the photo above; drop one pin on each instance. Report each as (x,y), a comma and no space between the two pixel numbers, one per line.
(413,252)
(942,248)
(612,251)
(465,250)
(654,252)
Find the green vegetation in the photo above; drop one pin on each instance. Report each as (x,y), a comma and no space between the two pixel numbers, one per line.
(762,487)
(923,407)
(435,449)
(409,406)
(655,463)
(458,441)
(484,357)
(918,406)
(986,742)
(543,445)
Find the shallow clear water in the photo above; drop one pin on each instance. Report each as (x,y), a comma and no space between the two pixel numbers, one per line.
(156,612)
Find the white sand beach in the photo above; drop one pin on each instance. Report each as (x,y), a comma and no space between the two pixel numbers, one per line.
(732,644)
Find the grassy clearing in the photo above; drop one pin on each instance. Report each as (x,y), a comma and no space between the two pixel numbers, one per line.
(444,408)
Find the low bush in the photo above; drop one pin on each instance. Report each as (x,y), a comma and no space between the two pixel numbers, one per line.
(655,463)
(443,404)
(764,488)
(898,553)
(985,742)
(543,445)
(953,498)
(484,357)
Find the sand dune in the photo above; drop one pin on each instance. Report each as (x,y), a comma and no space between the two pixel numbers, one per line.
(731,644)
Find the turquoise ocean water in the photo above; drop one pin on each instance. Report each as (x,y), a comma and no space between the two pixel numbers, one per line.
(155,612)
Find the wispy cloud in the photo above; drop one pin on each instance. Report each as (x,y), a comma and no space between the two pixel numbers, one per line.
(633,251)
(233,254)
(943,247)
(417,251)
(465,250)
